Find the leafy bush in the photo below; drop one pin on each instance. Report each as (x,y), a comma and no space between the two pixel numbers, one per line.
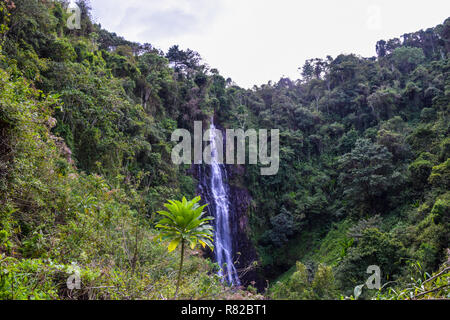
(440,175)
(374,248)
(300,286)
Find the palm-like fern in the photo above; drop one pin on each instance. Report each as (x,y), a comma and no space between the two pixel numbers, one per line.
(183,224)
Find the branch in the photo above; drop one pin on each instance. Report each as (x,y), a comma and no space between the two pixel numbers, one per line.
(434,277)
(430,291)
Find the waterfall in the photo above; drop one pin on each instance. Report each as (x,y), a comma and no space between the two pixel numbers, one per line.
(219,196)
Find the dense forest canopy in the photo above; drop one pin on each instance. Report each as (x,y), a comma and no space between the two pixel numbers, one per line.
(85,162)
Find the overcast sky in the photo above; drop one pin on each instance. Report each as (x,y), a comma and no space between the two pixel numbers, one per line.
(254,41)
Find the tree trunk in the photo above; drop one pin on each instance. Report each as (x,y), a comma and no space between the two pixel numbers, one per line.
(181,266)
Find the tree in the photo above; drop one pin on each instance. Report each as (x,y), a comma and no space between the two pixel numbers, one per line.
(420,171)
(307,71)
(395,143)
(406,59)
(296,287)
(283,227)
(440,175)
(367,173)
(445,149)
(183,224)
(154,77)
(381,48)
(324,285)
(184,60)
(344,69)
(304,285)
(373,248)
(383,102)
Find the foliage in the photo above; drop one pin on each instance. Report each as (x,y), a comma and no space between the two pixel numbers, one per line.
(440,175)
(302,286)
(183,224)
(421,285)
(374,248)
(85,123)
(367,174)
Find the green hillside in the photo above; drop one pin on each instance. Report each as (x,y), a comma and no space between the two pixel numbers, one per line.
(86,119)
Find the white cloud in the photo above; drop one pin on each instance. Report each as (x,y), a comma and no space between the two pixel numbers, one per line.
(254,41)
(139,20)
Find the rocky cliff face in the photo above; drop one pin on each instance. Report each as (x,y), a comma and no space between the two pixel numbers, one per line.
(240,200)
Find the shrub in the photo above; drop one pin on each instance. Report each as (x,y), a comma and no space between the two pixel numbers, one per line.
(440,175)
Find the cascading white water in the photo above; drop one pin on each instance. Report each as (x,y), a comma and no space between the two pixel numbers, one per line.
(223,242)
